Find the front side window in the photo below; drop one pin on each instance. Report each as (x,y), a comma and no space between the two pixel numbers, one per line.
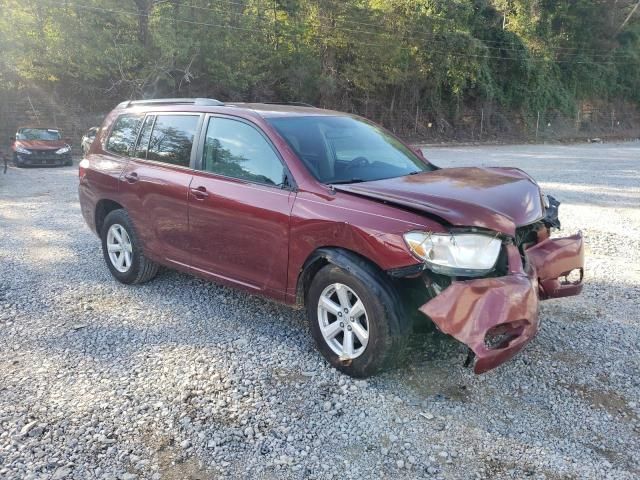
(123,134)
(172,138)
(347,150)
(236,149)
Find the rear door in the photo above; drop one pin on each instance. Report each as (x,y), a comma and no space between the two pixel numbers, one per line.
(239,207)
(155,184)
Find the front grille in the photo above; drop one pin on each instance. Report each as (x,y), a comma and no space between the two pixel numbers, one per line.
(43,157)
(45,154)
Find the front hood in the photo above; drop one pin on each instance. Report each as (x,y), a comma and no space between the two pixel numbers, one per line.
(498,199)
(40,144)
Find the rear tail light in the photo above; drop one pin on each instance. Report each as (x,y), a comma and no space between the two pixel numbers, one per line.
(82,168)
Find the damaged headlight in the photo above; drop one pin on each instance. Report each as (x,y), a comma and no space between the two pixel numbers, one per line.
(459,254)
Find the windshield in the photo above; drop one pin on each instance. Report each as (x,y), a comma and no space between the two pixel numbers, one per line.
(46,134)
(347,150)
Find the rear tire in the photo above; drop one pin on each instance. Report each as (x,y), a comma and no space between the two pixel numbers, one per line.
(387,334)
(122,250)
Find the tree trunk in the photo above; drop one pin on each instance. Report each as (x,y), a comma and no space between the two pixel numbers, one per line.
(144,10)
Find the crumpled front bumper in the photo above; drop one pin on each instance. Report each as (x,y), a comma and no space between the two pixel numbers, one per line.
(496,317)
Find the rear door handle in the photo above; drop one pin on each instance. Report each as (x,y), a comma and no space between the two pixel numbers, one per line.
(131,177)
(200,193)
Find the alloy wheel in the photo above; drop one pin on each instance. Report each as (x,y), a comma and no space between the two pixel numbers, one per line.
(119,247)
(343,321)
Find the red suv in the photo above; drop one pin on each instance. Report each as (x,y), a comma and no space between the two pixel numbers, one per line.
(329,212)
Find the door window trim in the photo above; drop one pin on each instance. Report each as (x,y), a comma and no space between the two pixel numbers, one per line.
(200,154)
(135,145)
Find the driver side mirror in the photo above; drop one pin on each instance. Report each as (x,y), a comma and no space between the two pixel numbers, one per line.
(418,152)
(12,139)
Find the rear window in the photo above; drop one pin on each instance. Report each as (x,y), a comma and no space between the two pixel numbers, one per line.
(123,134)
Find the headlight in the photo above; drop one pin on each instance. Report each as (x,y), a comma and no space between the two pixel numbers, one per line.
(62,150)
(460,254)
(544,199)
(22,150)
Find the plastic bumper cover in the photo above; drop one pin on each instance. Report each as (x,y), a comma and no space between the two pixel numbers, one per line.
(42,159)
(497,317)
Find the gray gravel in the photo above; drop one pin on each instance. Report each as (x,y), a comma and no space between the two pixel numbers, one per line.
(183,379)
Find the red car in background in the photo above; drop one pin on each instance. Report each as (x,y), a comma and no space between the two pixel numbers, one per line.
(33,146)
(327,211)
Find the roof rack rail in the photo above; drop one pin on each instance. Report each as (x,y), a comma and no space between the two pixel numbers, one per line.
(204,102)
(294,104)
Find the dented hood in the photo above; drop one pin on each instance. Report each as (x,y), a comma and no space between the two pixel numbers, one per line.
(498,199)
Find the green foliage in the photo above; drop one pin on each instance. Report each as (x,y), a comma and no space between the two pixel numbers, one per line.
(377,57)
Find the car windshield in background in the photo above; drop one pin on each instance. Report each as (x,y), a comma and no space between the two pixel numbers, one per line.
(347,150)
(45,134)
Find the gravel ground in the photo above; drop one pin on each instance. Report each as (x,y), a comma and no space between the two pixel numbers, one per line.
(183,379)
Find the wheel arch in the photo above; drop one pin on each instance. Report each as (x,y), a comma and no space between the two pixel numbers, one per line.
(322,256)
(363,268)
(103,208)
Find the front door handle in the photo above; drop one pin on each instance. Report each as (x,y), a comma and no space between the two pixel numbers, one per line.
(131,177)
(200,193)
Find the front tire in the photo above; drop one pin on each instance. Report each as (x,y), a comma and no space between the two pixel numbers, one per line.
(351,325)
(122,250)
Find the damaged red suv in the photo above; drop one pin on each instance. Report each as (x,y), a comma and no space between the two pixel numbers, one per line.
(329,212)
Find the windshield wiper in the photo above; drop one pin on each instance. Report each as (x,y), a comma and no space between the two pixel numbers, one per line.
(343,182)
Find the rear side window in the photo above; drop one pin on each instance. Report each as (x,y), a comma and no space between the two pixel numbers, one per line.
(236,149)
(171,139)
(143,140)
(123,134)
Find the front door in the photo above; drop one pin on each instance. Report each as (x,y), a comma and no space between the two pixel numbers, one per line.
(239,208)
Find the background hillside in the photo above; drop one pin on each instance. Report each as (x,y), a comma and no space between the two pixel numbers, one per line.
(429,69)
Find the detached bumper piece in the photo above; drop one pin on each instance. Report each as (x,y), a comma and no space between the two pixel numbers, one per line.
(497,317)
(559,263)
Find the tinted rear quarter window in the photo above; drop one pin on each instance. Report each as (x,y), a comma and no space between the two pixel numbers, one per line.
(123,134)
(143,140)
(172,139)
